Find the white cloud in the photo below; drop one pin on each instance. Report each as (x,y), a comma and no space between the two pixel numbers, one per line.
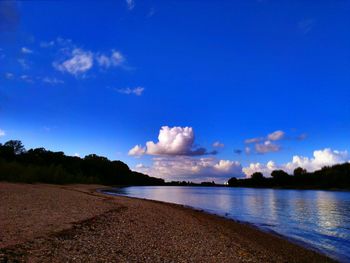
(2,133)
(115,59)
(175,141)
(80,62)
(130,4)
(26,50)
(267,147)
(135,91)
(265,144)
(193,169)
(276,136)
(247,150)
(137,150)
(321,158)
(52,81)
(218,144)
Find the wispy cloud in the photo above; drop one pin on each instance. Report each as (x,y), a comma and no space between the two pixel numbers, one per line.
(115,59)
(2,133)
(26,50)
(52,80)
(138,91)
(218,144)
(130,4)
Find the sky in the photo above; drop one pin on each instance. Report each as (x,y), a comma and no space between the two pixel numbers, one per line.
(182,90)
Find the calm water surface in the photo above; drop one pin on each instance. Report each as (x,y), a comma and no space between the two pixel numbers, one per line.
(319,219)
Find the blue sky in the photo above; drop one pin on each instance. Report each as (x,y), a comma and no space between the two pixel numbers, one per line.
(103,76)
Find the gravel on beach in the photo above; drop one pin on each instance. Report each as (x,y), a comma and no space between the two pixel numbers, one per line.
(74,223)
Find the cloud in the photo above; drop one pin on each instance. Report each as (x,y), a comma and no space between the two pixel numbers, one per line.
(137,150)
(9,75)
(302,137)
(135,91)
(130,4)
(193,169)
(52,81)
(48,44)
(218,144)
(254,140)
(23,63)
(265,144)
(2,133)
(175,141)
(26,50)
(115,59)
(320,159)
(80,62)
(267,147)
(151,12)
(26,78)
(276,136)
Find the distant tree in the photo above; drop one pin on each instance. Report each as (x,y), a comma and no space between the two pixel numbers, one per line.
(299,171)
(257,176)
(16,145)
(280,177)
(232,181)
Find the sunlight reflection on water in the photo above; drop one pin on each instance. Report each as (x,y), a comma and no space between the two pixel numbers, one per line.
(320,219)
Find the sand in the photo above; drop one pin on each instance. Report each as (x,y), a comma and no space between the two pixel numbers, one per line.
(74,223)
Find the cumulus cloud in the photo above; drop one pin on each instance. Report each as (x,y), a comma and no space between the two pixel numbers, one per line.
(2,133)
(137,150)
(276,136)
(218,144)
(267,147)
(320,159)
(194,169)
(130,4)
(132,91)
(175,141)
(26,50)
(79,62)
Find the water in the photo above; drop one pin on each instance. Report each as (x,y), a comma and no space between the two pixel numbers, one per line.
(318,219)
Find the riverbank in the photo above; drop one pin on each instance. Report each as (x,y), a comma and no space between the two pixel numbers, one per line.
(50,223)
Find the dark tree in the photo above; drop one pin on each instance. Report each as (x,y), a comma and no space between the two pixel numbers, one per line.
(257,176)
(232,181)
(299,171)
(16,145)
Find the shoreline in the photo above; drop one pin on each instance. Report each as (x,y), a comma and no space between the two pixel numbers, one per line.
(296,242)
(86,225)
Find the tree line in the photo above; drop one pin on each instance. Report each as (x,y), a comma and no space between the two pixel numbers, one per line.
(43,166)
(336,176)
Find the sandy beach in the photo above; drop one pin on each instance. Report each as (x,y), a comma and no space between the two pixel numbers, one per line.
(74,223)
